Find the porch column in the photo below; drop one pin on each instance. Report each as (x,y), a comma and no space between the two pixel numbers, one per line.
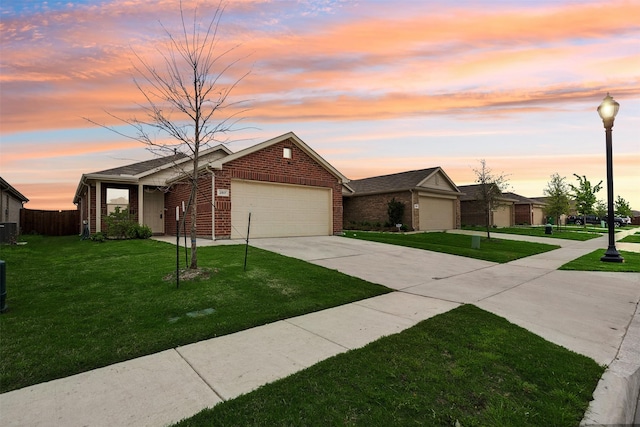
(140,204)
(98,206)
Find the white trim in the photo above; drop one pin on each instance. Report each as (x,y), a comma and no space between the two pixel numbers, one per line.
(140,204)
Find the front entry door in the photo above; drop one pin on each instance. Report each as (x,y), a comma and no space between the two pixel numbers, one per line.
(154,210)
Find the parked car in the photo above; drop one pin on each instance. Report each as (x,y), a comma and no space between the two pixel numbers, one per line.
(594,219)
(582,219)
(627,220)
(617,221)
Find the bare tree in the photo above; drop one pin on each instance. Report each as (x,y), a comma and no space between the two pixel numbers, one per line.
(489,191)
(186,99)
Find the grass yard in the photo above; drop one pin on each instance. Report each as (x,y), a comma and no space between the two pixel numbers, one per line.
(591,262)
(632,238)
(78,305)
(465,367)
(565,232)
(494,249)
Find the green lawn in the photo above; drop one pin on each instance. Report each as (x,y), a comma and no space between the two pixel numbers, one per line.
(632,238)
(564,232)
(77,305)
(591,262)
(494,249)
(465,367)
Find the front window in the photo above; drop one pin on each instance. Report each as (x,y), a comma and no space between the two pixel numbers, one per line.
(117,198)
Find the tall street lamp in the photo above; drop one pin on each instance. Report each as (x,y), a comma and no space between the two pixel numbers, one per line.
(607,111)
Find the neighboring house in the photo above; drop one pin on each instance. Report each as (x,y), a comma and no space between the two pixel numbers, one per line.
(472,213)
(527,211)
(11,202)
(431,199)
(286,186)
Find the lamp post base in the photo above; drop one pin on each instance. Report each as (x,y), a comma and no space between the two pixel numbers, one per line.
(612,255)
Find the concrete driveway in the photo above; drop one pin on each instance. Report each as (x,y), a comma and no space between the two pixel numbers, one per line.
(587,312)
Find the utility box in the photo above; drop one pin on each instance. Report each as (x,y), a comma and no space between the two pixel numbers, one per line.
(8,232)
(475,242)
(3,287)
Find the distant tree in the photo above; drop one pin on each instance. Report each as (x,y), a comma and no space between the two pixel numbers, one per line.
(600,208)
(622,207)
(585,195)
(186,99)
(490,191)
(557,193)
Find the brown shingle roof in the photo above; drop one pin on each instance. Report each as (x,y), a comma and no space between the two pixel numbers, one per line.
(141,167)
(394,182)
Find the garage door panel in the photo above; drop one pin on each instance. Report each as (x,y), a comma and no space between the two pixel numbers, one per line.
(502,216)
(436,213)
(279,210)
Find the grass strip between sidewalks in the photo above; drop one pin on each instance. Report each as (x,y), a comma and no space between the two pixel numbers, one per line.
(79,305)
(591,262)
(564,232)
(494,249)
(465,366)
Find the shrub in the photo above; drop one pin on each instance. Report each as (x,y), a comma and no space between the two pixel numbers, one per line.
(120,225)
(98,237)
(395,210)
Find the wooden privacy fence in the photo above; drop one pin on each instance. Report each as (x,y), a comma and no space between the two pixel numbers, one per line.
(50,223)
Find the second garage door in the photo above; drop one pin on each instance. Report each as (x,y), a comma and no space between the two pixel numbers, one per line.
(436,213)
(279,210)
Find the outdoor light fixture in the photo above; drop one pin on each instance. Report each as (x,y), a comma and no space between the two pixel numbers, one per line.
(608,110)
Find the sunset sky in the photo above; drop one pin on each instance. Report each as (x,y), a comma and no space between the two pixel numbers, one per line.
(374,86)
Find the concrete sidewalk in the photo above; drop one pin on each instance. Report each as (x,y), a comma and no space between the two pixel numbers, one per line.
(591,313)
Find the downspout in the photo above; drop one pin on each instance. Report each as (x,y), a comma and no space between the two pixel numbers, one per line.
(413,211)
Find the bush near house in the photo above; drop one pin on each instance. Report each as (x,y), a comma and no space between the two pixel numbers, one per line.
(120,225)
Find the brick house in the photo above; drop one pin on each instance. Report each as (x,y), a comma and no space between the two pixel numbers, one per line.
(472,212)
(527,211)
(286,186)
(430,197)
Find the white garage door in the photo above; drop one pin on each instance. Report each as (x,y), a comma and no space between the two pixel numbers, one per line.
(436,213)
(279,210)
(502,216)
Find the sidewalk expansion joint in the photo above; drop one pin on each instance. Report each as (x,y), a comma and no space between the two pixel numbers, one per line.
(193,368)
(316,334)
(517,285)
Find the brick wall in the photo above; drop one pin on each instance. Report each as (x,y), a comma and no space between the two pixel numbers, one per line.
(179,193)
(472,214)
(373,208)
(267,165)
(133,201)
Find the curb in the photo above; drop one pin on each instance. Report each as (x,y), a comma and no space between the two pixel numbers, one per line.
(616,396)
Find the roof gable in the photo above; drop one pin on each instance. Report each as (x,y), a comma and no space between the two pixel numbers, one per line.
(428,179)
(218,164)
(5,186)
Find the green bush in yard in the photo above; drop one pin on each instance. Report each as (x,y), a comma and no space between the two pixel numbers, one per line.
(120,225)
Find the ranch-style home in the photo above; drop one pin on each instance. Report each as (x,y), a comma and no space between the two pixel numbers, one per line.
(288,189)
(431,199)
(527,211)
(473,213)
